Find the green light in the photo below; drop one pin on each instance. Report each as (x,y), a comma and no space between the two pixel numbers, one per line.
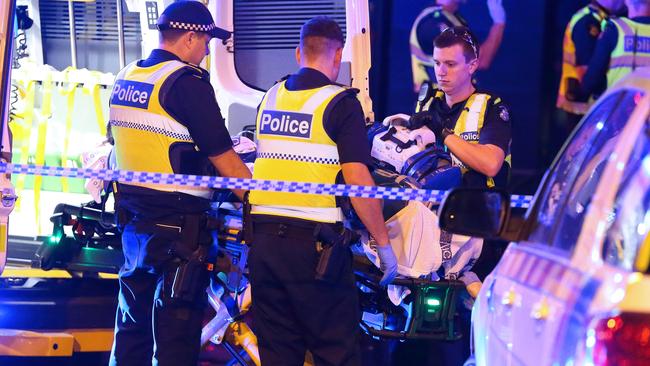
(55,239)
(433,302)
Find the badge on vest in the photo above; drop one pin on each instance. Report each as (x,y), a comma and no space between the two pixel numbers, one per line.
(283,123)
(131,94)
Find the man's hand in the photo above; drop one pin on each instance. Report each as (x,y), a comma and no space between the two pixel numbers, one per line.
(497,12)
(229,164)
(426,118)
(387,263)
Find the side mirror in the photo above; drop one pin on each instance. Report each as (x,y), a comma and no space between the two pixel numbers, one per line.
(478,212)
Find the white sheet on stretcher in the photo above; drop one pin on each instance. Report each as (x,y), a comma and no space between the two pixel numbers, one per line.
(415,237)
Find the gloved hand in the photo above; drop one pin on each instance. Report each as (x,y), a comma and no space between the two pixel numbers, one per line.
(497,12)
(387,264)
(426,119)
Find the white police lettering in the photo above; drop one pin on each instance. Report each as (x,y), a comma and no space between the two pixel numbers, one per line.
(131,93)
(469,136)
(285,123)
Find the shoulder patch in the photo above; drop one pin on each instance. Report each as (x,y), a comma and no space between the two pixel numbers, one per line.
(504,114)
(594,30)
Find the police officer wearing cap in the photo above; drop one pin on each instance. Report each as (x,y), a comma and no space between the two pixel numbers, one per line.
(164,118)
(310,129)
(578,46)
(473,125)
(622,48)
(433,20)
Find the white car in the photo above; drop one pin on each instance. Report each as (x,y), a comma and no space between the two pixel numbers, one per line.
(573,287)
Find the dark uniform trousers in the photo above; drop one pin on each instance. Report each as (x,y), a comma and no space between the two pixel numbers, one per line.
(145,311)
(292,311)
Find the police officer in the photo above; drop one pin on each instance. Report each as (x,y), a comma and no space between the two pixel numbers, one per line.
(473,125)
(309,130)
(164,118)
(433,20)
(622,48)
(580,38)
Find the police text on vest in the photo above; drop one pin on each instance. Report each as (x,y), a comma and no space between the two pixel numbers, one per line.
(283,123)
(131,93)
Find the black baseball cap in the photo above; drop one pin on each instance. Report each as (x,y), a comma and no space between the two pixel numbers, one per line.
(190,15)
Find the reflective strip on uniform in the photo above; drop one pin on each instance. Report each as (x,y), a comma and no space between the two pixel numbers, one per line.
(149,122)
(298,151)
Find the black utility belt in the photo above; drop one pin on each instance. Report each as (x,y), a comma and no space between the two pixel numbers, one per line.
(289,228)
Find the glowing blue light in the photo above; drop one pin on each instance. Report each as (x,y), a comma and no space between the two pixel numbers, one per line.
(600,125)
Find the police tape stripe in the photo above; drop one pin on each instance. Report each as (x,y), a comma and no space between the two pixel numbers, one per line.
(390,193)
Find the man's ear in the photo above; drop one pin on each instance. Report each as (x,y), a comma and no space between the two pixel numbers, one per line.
(473,66)
(192,37)
(298,55)
(338,56)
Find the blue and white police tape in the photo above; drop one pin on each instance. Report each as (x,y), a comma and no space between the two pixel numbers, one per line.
(123,176)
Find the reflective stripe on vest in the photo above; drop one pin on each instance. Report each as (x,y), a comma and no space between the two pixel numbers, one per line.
(632,49)
(142,129)
(569,67)
(293,146)
(419,59)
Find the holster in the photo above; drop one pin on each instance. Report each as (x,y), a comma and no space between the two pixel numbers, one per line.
(334,249)
(190,239)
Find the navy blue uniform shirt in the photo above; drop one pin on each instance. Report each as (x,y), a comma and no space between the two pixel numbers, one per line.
(344,121)
(191,101)
(595,79)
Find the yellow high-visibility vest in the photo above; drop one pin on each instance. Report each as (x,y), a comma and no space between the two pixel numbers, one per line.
(294,146)
(143,131)
(632,49)
(569,67)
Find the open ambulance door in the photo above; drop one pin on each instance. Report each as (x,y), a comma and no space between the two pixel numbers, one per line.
(262,51)
(7,196)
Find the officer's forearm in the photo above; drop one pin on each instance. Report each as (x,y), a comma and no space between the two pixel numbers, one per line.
(485,159)
(491,45)
(229,164)
(368,209)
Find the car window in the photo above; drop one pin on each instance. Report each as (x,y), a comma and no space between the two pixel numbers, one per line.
(631,211)
(575,176)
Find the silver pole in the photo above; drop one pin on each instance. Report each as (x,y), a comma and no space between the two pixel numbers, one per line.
(120,33)
(73,34)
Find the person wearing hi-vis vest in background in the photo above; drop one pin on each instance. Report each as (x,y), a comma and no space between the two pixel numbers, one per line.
(164,118)
(310,129)
(578,46)
(623,47)
(433,20)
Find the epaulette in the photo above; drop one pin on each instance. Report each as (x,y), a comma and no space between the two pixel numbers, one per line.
(198,71)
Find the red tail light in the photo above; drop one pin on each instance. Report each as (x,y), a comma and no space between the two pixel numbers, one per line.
(622,340)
